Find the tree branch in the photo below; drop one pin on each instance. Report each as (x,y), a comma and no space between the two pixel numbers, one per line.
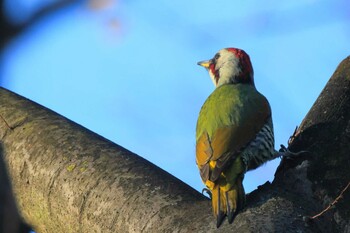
(68,179)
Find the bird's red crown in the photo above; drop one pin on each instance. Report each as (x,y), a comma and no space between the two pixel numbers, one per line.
(230,66)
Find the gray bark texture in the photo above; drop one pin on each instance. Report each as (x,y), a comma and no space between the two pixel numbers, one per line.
(66,178)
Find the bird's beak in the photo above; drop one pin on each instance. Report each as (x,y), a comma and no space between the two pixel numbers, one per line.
(205,64)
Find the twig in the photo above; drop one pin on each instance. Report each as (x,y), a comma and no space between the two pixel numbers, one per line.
(6,123)
(295,134)
(330,205)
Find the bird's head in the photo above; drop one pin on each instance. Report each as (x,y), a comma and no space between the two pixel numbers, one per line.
(230,66)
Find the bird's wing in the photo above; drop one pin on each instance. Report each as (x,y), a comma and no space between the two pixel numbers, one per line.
(227,127)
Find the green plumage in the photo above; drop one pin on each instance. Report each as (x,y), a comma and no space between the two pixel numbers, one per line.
(229,120)
(234,131)
(229,105)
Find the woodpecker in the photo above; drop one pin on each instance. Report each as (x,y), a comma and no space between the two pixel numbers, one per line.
(234,132)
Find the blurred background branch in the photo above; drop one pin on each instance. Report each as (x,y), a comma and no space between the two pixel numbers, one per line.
(17,16)
(10,27)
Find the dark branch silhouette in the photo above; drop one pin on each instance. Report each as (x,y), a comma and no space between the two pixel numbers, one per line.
(10,30)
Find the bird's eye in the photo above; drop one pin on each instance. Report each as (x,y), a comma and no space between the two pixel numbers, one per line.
(217,56)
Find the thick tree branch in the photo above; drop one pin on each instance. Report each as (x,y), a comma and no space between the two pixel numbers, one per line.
(68,179)
(325,132)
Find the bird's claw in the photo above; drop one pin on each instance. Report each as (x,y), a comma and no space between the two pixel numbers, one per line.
(284,152)
(207,191)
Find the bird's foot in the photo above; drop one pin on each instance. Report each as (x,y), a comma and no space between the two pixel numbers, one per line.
(284,152)
(207,191)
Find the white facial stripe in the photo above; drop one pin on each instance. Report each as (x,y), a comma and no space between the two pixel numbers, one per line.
(212,77)
(228,65)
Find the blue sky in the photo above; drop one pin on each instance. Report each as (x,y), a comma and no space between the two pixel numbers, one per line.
(129,73)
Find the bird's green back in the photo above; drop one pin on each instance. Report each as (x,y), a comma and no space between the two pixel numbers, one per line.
(230,105)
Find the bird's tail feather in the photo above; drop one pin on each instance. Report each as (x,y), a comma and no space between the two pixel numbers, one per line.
(235,200)
(219,205)
(227,203)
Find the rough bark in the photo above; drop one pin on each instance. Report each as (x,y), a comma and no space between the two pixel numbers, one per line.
(68,179)
(10,220)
